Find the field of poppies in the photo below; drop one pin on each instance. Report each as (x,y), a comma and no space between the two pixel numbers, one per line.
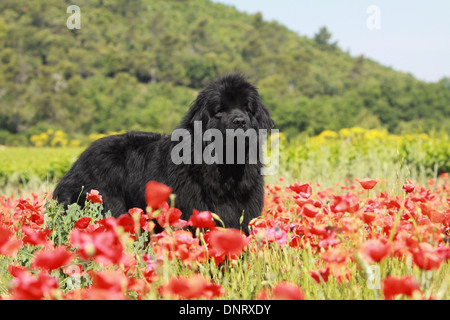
(356,241)
(327,230)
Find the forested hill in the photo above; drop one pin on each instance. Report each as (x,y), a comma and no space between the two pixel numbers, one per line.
(138,64)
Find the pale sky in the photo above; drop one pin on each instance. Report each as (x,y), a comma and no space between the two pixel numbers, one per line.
(414,35)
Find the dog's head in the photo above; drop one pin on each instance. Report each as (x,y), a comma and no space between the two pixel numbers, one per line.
(230,102)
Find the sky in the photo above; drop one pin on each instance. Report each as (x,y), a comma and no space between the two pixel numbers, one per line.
(412,36)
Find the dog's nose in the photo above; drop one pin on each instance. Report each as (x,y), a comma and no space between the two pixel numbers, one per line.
(239,121)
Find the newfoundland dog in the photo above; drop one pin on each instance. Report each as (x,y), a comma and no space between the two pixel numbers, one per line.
(119,166)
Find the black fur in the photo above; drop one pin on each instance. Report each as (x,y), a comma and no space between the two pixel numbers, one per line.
(119,166)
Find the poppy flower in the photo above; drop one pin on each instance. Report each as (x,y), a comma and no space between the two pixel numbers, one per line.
(367,183)
(375,250)
(368,217)
(393,286)
(52,259)
(103,246)
(36,237)
(156,194)
(168,216)
(203,219)
(8,244)
(94,196)
(111,280)
(274,234)
(143,219)
(82,223)
(408,187)
(426,257)
(310,211)
(303,190)
(320,275)
(334,255)
(26,286)
(283,291)
(16,270)
(347,203)
(227,242)
(195,286)
(126,222)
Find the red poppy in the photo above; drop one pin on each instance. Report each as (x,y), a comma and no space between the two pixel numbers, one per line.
(203,219)
(408,187)
(111,280)
(426,257)
(36,237)
(367,183)
(94,196)
(303,190)
(347,203)
(9,245)
(26,286)
(334,255)
(195,286)
(227,242)
(156,194)
(393,286)
(52,259)
(320,275)
(168,216)
(368,217)
(375,250)
(104,246)
(16,270)
(283,291)
(127,223)
(82,223)
(144,220)
(310,210)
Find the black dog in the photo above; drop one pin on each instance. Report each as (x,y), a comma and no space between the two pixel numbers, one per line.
(119,166)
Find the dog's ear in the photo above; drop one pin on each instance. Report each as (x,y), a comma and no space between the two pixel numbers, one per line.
(263,116)
(196,113)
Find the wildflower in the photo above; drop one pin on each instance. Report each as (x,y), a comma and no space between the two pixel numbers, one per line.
(304,190)
(94,196)
(367,183)
(203,219)
(226,242)
(36,237)
(26,286)
(393,286)
(156,194)
(375,250)
(283,291)
(82,223)
(9,245)
(408,187)
(51,259)
(168,216)
(426,257)
(195,286)
(320,275)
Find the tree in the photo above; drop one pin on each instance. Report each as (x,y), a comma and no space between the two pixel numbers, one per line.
(323,37)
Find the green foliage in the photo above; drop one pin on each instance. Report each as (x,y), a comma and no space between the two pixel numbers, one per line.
(20,165)
(356,153)
(140,66)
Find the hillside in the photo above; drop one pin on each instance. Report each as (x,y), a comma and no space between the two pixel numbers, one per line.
(139,66)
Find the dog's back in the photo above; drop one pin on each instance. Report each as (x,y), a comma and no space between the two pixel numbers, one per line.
(112,165)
